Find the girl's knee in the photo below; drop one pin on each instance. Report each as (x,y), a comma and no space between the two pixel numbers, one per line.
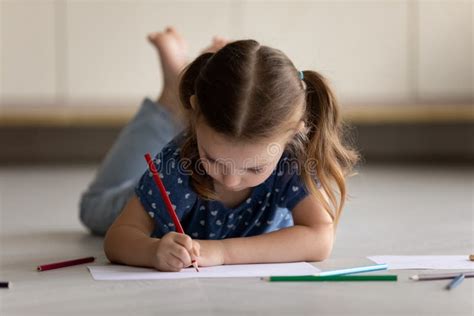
(98,210)
(93,215)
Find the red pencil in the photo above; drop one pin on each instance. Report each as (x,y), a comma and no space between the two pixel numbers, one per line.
(63,264)
(167,200)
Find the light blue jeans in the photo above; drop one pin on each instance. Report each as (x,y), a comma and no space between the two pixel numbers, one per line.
(114,183)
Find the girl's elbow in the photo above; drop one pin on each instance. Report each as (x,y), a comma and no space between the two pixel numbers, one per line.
(321,253)
(322,249)
(326,252)
(108,246)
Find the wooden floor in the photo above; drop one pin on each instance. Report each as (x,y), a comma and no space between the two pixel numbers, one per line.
(392,210)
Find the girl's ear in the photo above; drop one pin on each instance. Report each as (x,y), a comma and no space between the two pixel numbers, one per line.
(300,131)
(193,101)
(301,127)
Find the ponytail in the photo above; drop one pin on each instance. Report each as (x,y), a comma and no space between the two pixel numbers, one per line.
(201,182)
(187,84)
(334,160)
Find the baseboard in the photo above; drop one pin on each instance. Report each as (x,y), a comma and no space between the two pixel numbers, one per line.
(450,142)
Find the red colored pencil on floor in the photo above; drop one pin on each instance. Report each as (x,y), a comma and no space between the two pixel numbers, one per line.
(62,264)
(167,200)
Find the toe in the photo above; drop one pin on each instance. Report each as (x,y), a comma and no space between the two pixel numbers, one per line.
(172,30)
(219,42)
(177,34)
(152,36)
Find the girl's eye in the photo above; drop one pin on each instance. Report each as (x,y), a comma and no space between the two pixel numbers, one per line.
(256,170)
(210,160)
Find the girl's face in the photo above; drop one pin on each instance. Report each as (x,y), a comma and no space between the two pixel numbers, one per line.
(237,166)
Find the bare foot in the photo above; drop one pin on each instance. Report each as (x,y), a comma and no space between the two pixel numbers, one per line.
(217,43)
(173,52)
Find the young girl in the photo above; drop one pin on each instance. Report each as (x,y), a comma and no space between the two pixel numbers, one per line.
(257,175)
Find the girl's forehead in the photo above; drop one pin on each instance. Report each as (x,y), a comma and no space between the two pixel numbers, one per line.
(219,146)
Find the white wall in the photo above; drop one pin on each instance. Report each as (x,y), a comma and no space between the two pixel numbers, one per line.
(381,52)
(28,44)
(446,52)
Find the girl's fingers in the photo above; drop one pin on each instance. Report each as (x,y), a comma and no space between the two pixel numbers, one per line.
(174,264)
(196,251)
(185,249)
(195,254)
(181,254)
(184,240)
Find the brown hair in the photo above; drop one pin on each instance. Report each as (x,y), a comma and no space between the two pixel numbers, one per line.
(248,91)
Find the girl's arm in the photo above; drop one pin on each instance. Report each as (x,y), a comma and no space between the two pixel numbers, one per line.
(128,239)
(128,242)
(310,239)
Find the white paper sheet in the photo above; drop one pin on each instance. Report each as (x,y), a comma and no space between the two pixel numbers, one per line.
(119,272)
(424,262)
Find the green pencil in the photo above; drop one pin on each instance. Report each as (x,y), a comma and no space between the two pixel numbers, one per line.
(336,278)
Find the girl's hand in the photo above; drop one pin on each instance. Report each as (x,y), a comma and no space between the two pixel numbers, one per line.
(211,253)
(174,251)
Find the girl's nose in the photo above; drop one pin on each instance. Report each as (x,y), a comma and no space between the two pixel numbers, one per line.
(231,180)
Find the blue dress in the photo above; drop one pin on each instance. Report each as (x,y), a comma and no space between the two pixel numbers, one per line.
(265,210)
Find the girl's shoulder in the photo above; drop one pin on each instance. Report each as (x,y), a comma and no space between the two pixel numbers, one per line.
(170,155)
(287,166)
(173,147)
(176,180)
(170,165)
(287,180)
(290,166)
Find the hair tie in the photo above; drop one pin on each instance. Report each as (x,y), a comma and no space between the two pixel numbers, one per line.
(301,75)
